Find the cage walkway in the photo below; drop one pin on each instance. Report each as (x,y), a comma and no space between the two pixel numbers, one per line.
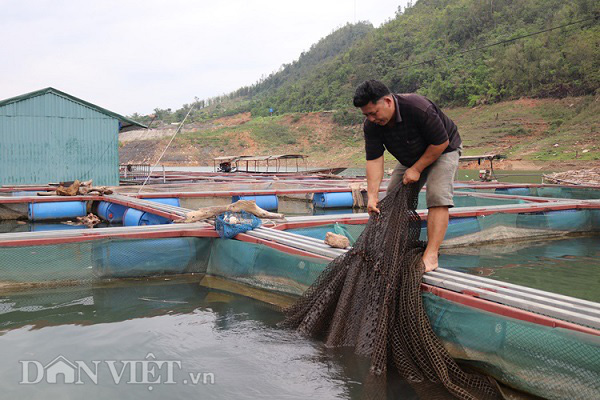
(566,308)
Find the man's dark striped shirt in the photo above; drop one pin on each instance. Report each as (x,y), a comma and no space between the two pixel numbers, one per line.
(418,123)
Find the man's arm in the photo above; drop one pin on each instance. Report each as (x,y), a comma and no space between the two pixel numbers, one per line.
(432,153)
(374,178)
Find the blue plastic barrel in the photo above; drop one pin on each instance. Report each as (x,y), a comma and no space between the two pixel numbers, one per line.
(266,202)
(333,200)
(152,219)
(125,258)
(111,212)
(56,210)
(133,217)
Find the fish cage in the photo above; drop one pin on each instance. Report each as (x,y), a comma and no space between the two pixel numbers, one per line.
(535,331)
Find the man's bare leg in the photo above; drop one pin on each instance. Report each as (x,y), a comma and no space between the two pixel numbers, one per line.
(437,223)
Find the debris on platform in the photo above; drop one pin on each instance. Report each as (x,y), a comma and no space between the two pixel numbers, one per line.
(337,241)
(70,190)
(77,188)
(240,205)
(89,220)
(575,177)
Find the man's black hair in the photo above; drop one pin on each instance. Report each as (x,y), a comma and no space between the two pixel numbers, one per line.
(369,91)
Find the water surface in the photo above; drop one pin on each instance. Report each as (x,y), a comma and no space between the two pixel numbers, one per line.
(234,338)
(567,266)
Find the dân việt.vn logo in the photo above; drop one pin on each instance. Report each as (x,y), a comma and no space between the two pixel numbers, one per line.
(148,371)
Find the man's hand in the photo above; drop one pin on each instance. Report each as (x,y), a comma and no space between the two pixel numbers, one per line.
(411,175)
(372,206)
(374,177)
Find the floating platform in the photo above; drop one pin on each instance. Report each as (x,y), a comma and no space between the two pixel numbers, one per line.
(501,326)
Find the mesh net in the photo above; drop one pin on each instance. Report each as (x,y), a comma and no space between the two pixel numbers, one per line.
(370,299)
(549,362)
(263,267)
(97,260)
(230,224)
(555,363)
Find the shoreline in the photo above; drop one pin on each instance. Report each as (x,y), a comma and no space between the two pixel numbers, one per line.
(499,165)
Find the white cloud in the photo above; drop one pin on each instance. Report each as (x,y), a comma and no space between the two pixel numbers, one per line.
(133,56)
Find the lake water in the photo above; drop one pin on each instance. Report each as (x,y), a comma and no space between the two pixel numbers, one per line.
(568,266)
(230,343)
(463,174)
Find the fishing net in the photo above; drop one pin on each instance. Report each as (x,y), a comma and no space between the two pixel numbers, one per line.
(229,224)
(370,299)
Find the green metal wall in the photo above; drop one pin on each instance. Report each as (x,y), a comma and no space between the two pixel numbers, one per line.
(50,138)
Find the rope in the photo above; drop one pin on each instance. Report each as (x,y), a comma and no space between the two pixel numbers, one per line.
(165,150)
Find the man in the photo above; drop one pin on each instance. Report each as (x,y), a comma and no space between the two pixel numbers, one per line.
(426,144)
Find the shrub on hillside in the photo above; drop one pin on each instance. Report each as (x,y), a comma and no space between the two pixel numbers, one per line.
(348,117)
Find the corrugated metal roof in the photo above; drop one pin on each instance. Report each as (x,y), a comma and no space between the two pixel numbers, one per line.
(226,158)
(126,123)
(51,138)
(271,157)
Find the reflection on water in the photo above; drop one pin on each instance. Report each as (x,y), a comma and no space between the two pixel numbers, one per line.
(565,266)
(209,331)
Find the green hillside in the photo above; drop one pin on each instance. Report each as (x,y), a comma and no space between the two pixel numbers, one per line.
(426,48)
(549,134)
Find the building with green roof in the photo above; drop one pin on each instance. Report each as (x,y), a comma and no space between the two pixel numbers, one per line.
(51,136)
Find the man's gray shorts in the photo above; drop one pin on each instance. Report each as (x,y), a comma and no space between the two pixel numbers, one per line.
(439,177)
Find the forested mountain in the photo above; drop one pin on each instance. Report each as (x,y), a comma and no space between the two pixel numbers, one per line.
(320,53)
(427,48)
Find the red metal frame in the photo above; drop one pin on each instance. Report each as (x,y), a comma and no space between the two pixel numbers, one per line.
(308,224)
(47,199)
(152,210)
(278,246)
(454,212)
(85,237)
(532,199)
(465,298)
(471,300)
(258,192)
(8,189)
(487,185)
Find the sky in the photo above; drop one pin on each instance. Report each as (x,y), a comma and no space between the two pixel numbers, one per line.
(134,56)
